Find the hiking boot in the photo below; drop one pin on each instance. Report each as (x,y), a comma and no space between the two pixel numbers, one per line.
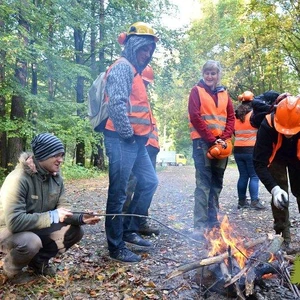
(198,234)
(286,247)
(243,204)
(21,278)
(42,269)
(257,205)
(134,238)
(125,255)
(146,229)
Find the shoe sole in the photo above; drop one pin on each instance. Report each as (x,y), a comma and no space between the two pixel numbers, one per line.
(144,246)
(124,262)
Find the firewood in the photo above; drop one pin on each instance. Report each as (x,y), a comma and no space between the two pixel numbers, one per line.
(212,260)
(262,255)
(225,272)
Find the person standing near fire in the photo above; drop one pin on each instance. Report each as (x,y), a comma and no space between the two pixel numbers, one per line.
(245,136)
(125,136)
(153,148)
(277,160)
(211,116)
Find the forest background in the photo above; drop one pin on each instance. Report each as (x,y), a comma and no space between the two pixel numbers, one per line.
(52,50)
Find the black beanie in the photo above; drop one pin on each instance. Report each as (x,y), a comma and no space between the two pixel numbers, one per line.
(45,145)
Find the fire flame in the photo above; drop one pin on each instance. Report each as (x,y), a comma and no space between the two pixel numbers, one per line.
(221,239)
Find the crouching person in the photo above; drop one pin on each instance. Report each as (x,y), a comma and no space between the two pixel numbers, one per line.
(36,222)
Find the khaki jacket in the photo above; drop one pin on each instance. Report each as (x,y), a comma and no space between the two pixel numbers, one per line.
(26,197)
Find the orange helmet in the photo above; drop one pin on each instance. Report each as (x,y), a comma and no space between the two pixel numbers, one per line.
(218,152)
(287,115)
(246,96)
(148,74)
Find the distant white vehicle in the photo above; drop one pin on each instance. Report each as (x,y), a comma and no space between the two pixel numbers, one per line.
(171,158)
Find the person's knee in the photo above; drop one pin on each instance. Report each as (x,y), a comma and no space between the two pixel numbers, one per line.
(29,244)
(73,235)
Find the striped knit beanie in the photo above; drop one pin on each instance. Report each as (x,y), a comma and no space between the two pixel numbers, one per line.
(45,145)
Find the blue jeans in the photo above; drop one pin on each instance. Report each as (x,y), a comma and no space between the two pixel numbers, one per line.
(125,158)
(209,184)
(247,174)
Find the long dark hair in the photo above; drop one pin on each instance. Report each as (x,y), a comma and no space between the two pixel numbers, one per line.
(242,109)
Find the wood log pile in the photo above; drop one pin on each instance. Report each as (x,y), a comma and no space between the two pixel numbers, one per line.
(222,273)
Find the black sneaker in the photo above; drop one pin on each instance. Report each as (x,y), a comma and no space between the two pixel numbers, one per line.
(42,269)
(134,238)
(125,255)
(243,204)
(257,205)
(146,229)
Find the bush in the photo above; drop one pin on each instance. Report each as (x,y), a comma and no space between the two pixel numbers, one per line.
(79,172)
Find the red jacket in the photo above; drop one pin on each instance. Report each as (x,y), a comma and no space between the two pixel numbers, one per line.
(200,124)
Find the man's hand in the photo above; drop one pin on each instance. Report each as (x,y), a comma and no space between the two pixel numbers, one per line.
(63,213)
(221,142)
(280,197)
(89,218)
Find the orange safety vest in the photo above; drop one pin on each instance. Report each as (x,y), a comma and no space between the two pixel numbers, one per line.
(153,137)
(214,116)
(279,142)
(245,134)
(138,109)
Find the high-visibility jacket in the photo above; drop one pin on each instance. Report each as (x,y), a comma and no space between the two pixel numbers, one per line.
(214,116)
(245,134)
(138,109)
(153,137)
(277,145)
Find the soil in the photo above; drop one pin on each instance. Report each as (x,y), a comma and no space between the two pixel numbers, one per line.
(86,271)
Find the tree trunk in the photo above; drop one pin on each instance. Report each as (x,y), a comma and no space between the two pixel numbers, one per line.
(16,143)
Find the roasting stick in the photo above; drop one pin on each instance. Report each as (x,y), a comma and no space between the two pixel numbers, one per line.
(139,216)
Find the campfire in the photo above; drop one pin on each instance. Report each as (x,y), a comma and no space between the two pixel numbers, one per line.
(233,267)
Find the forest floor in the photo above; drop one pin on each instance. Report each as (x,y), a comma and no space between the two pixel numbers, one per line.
(87,272)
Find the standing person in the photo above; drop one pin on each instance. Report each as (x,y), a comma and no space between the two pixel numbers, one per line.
(211,123)
(153,148)
(277,159)
(36,222)
(125,136)
(245,136)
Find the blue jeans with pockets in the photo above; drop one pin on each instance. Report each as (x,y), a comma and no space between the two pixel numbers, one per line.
(125,158)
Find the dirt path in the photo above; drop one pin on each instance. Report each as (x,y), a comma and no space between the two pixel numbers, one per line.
(86,271)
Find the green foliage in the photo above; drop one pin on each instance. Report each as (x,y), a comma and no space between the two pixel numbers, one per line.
(70,172)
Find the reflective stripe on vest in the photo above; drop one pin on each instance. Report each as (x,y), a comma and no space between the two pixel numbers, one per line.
(279,141)
(138,109)
(153,137)
(245,134)
(214,116)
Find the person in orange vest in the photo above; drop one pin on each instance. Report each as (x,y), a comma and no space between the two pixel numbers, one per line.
(211,116)
(152,149)
(277,160)
(125,136)
(245,136)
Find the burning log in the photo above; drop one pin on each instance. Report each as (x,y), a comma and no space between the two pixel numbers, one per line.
(259,257)
(212,260)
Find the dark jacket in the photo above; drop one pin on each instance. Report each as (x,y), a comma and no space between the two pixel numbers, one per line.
(265,140)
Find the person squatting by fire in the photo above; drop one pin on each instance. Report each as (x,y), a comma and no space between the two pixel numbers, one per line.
(277,160)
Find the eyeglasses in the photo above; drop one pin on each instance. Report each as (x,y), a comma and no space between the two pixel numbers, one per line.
(210,73)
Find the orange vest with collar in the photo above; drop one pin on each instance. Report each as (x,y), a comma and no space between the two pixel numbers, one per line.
(138,108)
(245,134)
(214,116)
